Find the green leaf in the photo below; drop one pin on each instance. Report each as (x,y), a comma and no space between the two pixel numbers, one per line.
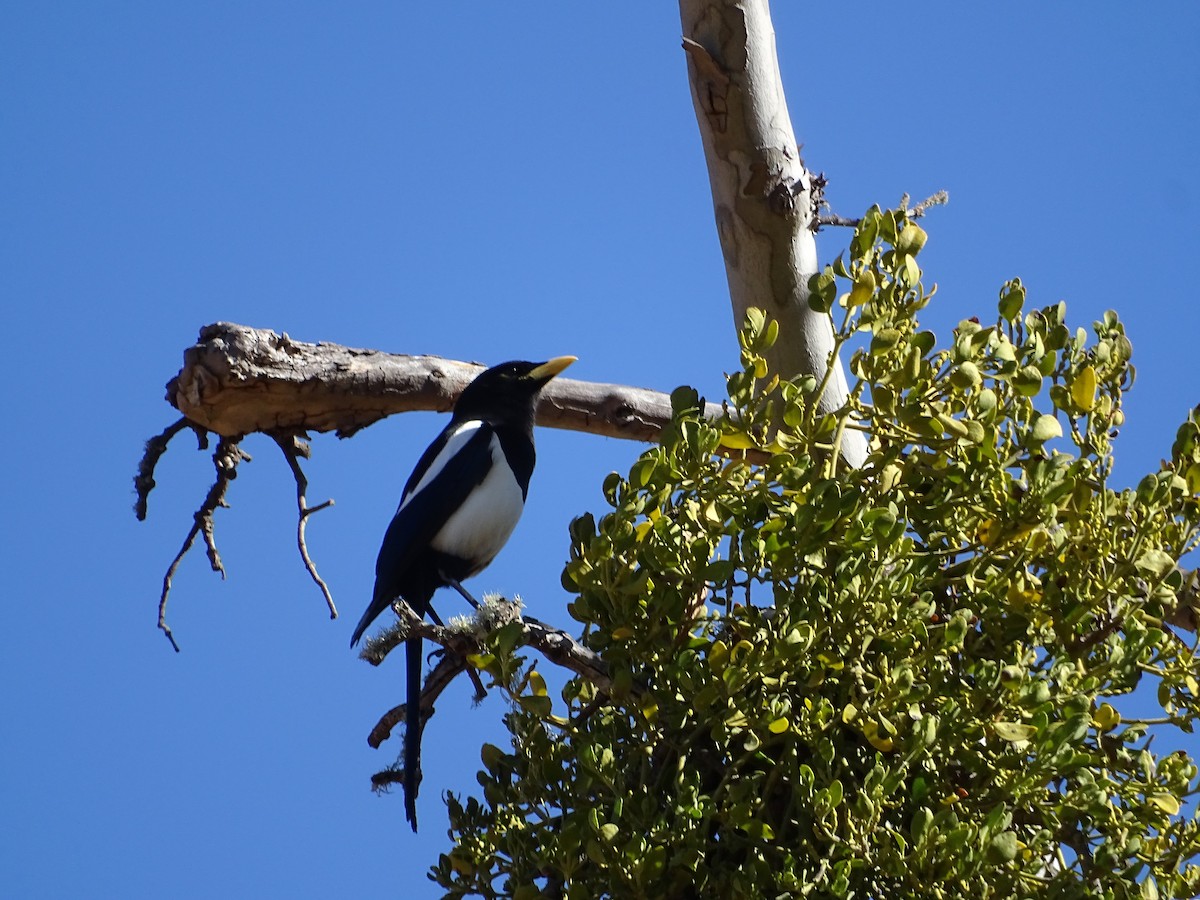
(685,398)
(923,341)
(755,320)
(921,821)
(1168,803)
(481,661)
(537,706)
(1012,298)
(720,570)
(884,340)
(492,757)
(1045,428)
(1003,847)
(911,239)
(771,335)
(864,288)
(822,288)
(1013,731)
(1028,381)
(1155,563)
(966,375)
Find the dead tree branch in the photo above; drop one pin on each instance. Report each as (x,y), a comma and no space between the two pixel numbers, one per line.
(293,447)
(143,481)
(941,198)
(556,645)
(449,667)
(459,643)
(239,380)
(225,459)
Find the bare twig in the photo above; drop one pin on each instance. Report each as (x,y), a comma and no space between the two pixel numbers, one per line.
(225,459)
(480,690)
(381,782)
(293,447)
(143,481)
(556,645)
(458,643)
(1109,626)
(447,669)
(937,199)
(941,198)
(835,220)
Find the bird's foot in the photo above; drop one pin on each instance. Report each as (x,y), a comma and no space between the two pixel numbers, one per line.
(466,595)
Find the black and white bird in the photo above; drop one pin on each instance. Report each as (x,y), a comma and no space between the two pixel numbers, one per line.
(458,509)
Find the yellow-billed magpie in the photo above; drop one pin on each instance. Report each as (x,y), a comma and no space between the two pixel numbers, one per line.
(457,510)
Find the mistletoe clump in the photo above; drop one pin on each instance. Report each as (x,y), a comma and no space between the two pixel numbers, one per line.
(908,679)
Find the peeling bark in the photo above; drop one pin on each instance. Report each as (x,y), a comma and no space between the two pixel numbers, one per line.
(762,192)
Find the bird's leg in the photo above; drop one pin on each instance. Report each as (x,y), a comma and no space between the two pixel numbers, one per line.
(480,690)
(466,595)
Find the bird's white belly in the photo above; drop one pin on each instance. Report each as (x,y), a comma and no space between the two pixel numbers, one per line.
(483,524)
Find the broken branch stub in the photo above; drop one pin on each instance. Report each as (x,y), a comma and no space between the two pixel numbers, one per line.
(239,380)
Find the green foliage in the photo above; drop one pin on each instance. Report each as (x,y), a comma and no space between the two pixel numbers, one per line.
(897,681)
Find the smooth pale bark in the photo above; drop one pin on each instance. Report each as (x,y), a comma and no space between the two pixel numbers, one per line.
(762,192)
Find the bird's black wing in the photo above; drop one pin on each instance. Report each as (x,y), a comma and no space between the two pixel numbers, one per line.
(459,461)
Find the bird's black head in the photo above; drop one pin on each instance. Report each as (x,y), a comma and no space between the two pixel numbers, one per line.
(508,392)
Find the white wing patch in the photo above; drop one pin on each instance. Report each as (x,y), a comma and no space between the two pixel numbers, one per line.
(460,436)
(482,525)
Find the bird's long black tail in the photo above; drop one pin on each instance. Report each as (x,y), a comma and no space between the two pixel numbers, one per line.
(412,730)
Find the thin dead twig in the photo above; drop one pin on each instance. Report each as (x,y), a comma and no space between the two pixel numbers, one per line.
(143,481)
(449,667)
(554,644)
(941,198)
(225,460)
(294,446)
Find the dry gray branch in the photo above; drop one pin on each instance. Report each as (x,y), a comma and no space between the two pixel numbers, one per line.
(226,458)
(293,447)
(941,198)
(238,380)
(449,667)
(458,643)
(143,481)
(556,645)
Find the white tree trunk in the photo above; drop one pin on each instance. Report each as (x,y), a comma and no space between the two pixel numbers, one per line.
(762,195)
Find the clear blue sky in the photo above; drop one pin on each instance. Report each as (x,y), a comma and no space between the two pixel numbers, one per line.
(480,181)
